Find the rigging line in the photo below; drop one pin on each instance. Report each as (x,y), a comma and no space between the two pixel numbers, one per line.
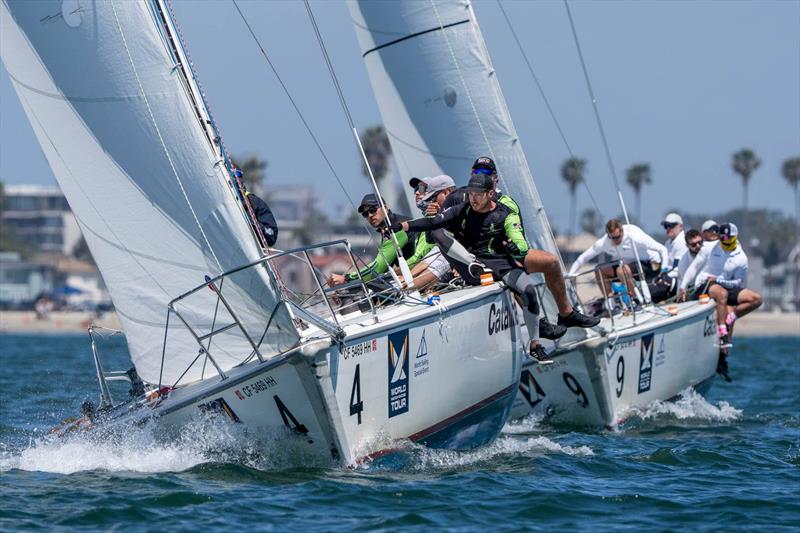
(642,280)
(330,66)
(300,115)
(160,138)
(594,104)
(546,102)
(401,260)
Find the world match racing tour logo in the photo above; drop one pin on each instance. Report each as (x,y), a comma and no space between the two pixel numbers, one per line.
(398,373)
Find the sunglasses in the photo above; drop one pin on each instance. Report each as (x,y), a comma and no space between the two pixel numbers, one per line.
(486,171)
(669,225)
(615,237)
(714,229)
(694,243)
(422,187)
(367,211)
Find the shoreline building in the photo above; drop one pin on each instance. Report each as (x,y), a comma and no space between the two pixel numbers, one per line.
(40,217)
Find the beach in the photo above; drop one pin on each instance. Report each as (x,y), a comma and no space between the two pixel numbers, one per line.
(55,322)
(759,324)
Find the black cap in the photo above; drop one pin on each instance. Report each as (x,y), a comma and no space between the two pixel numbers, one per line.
(414,182)
(480,183)
(728,231)
(484,162)
(369,200)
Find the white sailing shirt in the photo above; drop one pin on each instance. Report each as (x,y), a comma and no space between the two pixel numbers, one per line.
(676,248)
(649,249)
(688,259)
(730,268)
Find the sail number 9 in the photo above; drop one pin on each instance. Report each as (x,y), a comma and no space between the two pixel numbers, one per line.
(573,385)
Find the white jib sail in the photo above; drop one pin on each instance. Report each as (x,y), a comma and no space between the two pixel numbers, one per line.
(118,127)
(440,100)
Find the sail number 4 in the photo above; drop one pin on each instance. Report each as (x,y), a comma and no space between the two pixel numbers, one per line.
(356,405)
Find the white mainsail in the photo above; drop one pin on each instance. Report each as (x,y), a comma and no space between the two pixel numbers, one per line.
(100,85)
(440,99)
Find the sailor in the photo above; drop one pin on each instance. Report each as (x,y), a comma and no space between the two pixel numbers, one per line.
(370,208)
(710,231)
(262,212)
(724,269)
(538,261)
(676,240)
(428,264)
(488,229)
(694,242)
(624,241)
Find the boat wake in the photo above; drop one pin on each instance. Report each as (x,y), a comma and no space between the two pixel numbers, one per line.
(142,449)
(516,442)
(690,406)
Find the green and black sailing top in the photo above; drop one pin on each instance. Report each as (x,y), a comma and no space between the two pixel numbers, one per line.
(483,234)
(387,253)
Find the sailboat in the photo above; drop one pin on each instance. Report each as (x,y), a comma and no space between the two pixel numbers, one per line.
(210,327)
(442,107)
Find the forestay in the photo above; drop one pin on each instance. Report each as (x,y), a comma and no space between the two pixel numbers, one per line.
(440,99)
(116,120)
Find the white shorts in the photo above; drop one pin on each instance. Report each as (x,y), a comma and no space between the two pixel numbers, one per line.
(437,262)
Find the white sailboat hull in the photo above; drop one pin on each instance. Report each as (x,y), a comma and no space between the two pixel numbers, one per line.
(600,381)
(443,377)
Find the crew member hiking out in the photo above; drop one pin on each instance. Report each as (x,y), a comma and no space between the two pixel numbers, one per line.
(534,261)
(625,242)
(723,268)
(387,254)
(264,217)
(429,264)
(486,229)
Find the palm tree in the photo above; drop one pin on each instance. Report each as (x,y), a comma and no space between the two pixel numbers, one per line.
(253,174)
(572,170)
(744,163)
(791,171)
(378,151)
(590,221)
(637,176)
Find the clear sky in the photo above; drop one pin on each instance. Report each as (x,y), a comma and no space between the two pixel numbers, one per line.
(680,85)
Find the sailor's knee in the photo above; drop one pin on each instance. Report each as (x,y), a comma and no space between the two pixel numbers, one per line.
(757,300)
(717,292)
(549,261)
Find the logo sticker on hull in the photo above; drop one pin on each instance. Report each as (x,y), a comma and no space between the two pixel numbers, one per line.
(421,364)
(646,362)
(398,373)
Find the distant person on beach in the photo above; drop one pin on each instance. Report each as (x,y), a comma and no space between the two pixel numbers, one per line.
(723,269)
(625,242)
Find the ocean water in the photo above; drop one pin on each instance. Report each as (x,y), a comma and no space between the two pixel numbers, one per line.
(728,460)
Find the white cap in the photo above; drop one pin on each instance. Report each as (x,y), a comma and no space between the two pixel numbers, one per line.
(707,225)
(438,183)
(672,218)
